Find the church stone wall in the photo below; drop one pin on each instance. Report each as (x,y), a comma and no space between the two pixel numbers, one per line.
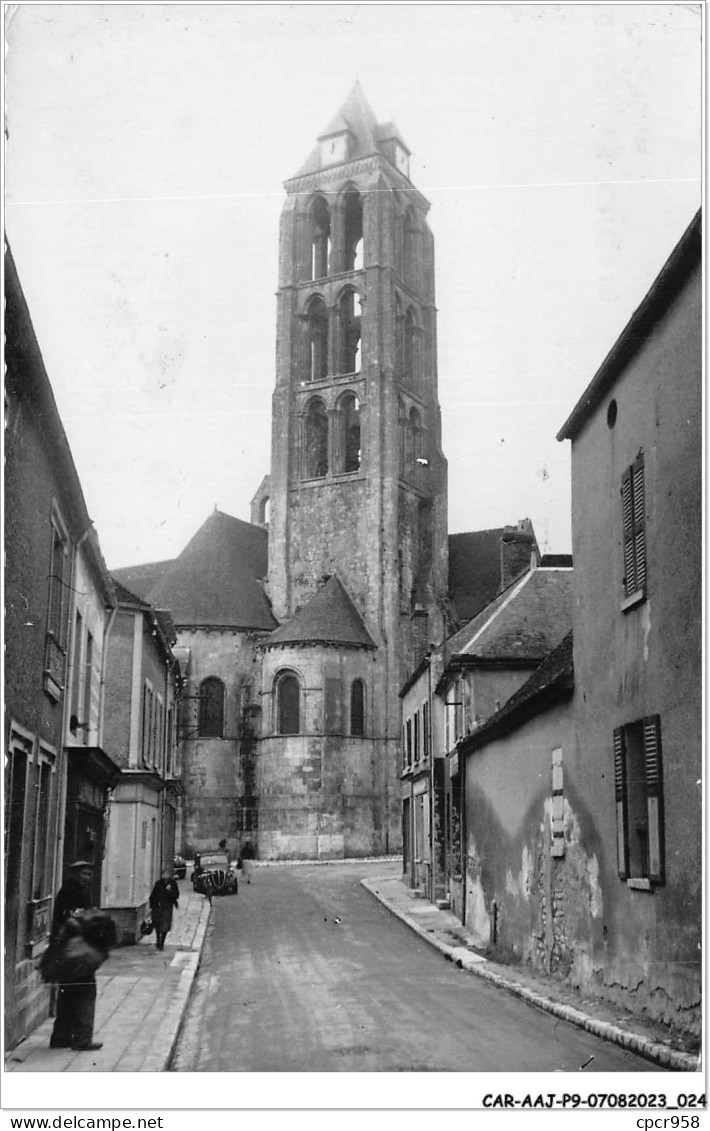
(332,532)
(320,794)
(211,766)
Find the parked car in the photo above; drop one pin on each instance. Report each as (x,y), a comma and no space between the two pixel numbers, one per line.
(179,867)
(214,871)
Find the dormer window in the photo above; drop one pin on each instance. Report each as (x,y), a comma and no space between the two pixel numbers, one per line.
(334,149)
(401,158)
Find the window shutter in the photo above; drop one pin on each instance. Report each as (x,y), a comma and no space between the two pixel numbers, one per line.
(622,830)
(627,509)
(654,794)
(333,706)
(639,508)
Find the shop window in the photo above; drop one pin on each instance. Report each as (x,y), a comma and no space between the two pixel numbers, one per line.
(288,704)
(638,778)
(211,721)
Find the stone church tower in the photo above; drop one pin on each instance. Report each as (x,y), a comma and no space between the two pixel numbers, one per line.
(357,573)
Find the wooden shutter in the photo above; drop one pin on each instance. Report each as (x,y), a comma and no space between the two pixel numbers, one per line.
(627,510)
(654,795)
(622,824)
(639,509)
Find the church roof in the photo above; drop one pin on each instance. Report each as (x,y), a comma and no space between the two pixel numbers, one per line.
(329,617)
(523,623)
(474,570)
(140,579)
(215,581)
(355,116)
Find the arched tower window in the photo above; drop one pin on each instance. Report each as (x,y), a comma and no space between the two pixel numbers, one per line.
(349,331)
(410,248)
(320,238)
(414,446)
(349,438)
(316,340)
(409,347)
(398,339)
(357,708)
(353,236)
(288,704)
(211,719)
(316,440)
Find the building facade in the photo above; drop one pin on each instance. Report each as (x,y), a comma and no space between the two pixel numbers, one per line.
(140,724)
(59,603)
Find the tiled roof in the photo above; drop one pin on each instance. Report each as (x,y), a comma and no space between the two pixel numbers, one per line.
(330,617)
(141,579)
(216,580)
(524,622)
(553,679)
(474,570)
(126,596)
(356,116)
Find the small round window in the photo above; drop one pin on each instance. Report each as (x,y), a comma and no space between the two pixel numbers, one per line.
(611,414)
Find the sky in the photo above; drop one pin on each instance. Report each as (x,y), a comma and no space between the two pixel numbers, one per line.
(146,150)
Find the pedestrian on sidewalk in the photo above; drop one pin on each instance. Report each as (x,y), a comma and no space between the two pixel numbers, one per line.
(246,859)
(163,898)
(76,1001)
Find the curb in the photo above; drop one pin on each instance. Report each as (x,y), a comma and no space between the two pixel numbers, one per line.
(187,982)
(476,964)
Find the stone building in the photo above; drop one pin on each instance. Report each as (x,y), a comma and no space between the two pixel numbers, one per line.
(294,736)
(59,603)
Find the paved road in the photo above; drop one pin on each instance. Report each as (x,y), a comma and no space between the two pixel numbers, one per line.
(304,971)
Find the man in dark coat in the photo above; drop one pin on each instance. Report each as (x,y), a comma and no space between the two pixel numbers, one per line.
(163,898)
(76,1002)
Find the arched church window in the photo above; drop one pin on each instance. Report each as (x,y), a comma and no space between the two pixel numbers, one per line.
(349,435)
(349,331)
(320,238)
(288,704)
(353,235)
(211,716)
(357,708)
(316,340)
(316,440)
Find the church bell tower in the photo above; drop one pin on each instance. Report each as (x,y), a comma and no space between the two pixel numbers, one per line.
(358,478)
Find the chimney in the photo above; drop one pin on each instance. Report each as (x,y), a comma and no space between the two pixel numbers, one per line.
(518,552)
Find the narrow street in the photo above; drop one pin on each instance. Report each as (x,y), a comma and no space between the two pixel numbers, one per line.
(303,971)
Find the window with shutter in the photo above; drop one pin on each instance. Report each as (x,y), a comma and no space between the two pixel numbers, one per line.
(638,777)
(633,508)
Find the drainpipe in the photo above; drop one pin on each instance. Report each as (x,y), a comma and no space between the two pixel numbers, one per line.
(432,805)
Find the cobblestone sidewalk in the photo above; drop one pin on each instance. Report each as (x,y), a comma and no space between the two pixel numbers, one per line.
(444,931)
(142,996)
